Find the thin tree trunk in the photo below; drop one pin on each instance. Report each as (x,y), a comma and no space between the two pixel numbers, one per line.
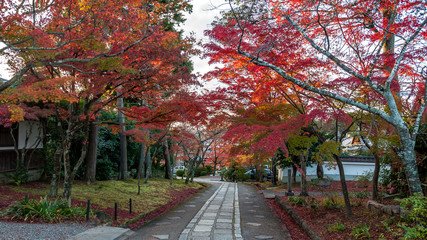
(141,166)
(190,170)
(348,212)
(54,182)
(70,173)
(294,173)
(90,174)
(304,191)
(274,171)
(214,167)
(319,171)
(148,162)
(67,185)
(168,163)
(123,143)
(375,177)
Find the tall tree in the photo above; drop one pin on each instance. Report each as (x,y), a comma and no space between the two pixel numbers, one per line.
(330,31)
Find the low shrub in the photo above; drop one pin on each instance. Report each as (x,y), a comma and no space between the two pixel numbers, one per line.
(365,179)
(417,215)
(333,202)
(51,211)
(337,227)
(297,201)
(180,173)
(361,231)
(235,173)
(360,197)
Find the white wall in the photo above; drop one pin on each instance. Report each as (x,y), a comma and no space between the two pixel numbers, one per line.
(30,130)
(351,170)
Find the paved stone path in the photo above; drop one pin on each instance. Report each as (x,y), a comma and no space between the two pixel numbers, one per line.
(218,219)
(225,211)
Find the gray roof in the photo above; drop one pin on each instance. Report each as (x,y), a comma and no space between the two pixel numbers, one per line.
(3,80)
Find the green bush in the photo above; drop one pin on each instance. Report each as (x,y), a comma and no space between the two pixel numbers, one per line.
(201,171)
(333,202)
(360,197)
(297,201)
(235,173)
(209,169)
(180,173)
(361,231)
(105,169)
(365,179)
(337,227)
(44,209)
(417,207)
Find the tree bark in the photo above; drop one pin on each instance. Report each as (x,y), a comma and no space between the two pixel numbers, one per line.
(90,174)
(141,166)
(167,160)
(148,169)
(123,143)
(304,191)
(375,177)
(319,171)
(54,182)
(348,212)
(214,167)
(294,173)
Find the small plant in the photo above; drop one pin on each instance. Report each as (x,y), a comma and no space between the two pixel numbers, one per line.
(337,227)
(333,202)
(417,215)
(18,178)
(360,197)
(365,179)
(180,173)
(297,201)
(361,231)
(313,203)
(44,209)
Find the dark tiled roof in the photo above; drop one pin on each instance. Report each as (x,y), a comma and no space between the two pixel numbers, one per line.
(365,159)
(3,80)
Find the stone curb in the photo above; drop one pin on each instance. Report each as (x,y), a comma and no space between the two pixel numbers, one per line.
(297,219)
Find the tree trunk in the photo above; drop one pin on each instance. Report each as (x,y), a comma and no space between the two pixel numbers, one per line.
(190,170)
(375,178)
(304,191)
(54,182)
(294,173)
(66,192)
(407,155)
(168,163)
(274,171)
(70,173)
(319,171)
(123,143)
(90,174)
(348,212)
(148,170)
(141,166)
(214,167)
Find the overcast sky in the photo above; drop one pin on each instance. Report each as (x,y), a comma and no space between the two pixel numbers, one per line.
(204,13)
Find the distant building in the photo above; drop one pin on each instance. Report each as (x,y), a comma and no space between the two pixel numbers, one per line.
(354,166)
(26,135)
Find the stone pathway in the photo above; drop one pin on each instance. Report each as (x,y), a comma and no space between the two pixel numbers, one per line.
(218,219)
(224,211)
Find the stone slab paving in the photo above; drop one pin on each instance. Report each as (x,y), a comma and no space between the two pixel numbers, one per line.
(219,217)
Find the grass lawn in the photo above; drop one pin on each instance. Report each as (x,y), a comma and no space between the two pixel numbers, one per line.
(156,197)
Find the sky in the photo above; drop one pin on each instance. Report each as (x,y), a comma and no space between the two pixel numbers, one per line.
(204,12)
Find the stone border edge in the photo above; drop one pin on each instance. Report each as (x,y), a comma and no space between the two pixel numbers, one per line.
(297,219)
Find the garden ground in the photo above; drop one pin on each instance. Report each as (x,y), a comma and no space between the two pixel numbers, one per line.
(155,198)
